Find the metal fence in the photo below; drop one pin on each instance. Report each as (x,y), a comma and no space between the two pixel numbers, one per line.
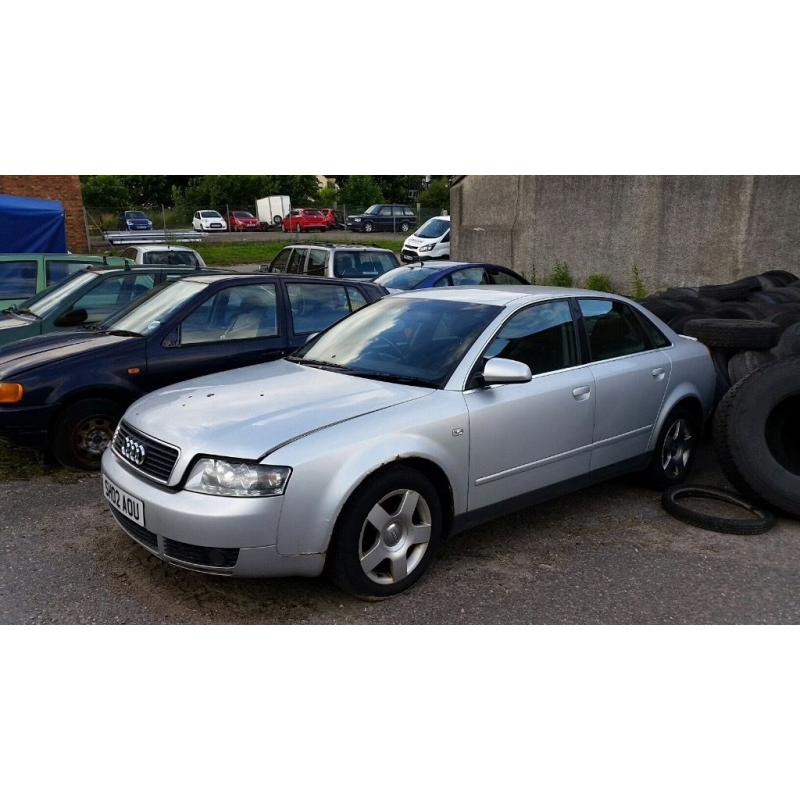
(159,223)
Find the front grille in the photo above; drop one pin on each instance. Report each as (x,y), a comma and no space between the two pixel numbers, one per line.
(159,458)
(142,535)
(202,556)
(412,254)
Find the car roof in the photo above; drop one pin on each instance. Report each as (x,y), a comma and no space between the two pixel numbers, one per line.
(150,248)
(248,276)
(102,269)
(503,295)
(342,247)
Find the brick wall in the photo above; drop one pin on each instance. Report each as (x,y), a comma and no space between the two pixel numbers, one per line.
(66,188)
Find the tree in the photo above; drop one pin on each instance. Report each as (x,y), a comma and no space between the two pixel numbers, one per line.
(329,196)
(107,192)
(360,191)
(436,196)
(396,188)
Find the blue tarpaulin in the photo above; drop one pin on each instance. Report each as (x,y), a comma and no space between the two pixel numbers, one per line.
(28,225)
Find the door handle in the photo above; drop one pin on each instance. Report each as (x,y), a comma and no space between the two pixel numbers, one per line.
(581,392)
(658,373)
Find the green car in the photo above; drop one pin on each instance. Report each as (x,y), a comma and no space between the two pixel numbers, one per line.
(84,298)
(25,274)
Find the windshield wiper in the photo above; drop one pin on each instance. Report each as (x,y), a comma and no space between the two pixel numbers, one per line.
(121,332)
(23,312)
(390,377)
(310,362)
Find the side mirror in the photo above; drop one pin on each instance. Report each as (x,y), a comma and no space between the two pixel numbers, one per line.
(504,370)
(72,317)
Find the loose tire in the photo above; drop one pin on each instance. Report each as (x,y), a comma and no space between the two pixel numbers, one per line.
(734,334)
(674,452)
(738,290)
(780,277)
(387,534)
(757,435)
(740,365)
(761,519)
(789,343)
(83,431)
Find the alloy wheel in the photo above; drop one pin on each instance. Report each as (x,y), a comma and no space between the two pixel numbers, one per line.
(395,536)
(677,448)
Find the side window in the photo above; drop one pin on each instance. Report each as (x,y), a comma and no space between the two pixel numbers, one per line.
(316,261)
(657,339)
(315,306)
(239,312)
(408,212)
(473,276)
(297,260)
(503,278)
(56,271)
(446,237)
(541,336)
(281,261)
(17,279)
(386,211)
(612,328)
(357,300)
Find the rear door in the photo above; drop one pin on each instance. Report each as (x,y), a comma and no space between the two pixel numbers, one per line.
(385,219)
(631,374)
(234,326)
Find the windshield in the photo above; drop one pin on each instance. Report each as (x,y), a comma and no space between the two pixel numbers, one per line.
(401,339)
(210,214)
(372,210)
(433,229)
(148,313)
(362,264)
(135,215)
(242,215)
(405,278)
(44,302)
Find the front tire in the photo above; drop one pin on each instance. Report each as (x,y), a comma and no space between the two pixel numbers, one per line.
(387,534)
(83,432)
(674,452)
(368,227)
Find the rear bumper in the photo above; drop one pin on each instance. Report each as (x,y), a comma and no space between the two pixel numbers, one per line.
(215,535)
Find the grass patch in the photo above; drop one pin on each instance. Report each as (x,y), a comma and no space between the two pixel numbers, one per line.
(22,464)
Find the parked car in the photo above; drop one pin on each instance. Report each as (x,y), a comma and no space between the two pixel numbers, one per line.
(135,221)
(243,221)
(332,218)
(417,417)
(399,219)
(164,255)
(25,274)
(84,298)
(209,220)
(304,220)
(272,210)
(447,273)
(333,261)
(432,240)
(64,393)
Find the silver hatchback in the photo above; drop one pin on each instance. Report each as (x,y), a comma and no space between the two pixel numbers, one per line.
(419,416)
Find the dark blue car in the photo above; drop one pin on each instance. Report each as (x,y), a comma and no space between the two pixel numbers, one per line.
(135,221)
(64,393)
(447,273)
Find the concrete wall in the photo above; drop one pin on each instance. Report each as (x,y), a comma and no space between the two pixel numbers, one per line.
(66,188)
(679,230)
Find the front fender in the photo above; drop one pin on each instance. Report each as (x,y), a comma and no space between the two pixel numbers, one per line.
(329,465)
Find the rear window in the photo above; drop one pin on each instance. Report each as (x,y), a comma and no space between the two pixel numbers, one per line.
(405,278)
(362,264)
(172,258)
(17,279)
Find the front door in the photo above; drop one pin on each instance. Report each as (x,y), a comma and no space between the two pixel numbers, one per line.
(526,437)
(234,327)
(631,376)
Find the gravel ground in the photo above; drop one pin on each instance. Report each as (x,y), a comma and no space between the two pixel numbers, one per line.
(607,555)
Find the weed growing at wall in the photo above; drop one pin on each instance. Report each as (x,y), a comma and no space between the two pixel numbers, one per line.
(599,283)
(639,289)
(560,274)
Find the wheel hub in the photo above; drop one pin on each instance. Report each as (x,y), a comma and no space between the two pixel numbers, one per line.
(392,534)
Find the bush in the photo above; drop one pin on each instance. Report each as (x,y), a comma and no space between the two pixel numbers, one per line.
(639,289)
(599,283)
(560,274)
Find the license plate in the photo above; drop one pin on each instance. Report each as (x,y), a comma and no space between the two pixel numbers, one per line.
(409,258)
(128,506)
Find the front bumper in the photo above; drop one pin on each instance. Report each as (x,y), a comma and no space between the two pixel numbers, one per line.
(29,426)
(218,535)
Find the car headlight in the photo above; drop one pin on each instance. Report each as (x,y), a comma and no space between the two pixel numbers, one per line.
(425,248)
(357,219)
(236,479)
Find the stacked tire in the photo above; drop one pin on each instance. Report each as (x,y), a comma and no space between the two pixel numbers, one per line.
(752,328)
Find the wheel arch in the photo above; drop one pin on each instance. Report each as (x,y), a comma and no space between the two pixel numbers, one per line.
(116,394)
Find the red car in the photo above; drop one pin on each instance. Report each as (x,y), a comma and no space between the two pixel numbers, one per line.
(330,217)
(303,220)
(243,221)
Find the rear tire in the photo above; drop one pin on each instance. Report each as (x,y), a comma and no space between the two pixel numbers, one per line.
(387,534)
(674,452)
(83,431)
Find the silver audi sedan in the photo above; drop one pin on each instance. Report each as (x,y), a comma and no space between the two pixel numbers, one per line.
(417,417)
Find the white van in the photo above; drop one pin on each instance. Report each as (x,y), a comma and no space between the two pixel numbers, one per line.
(432,240)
